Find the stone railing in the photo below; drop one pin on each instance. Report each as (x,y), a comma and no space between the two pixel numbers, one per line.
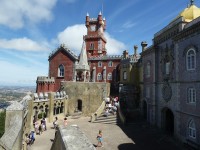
(12,138)
(44,96)
(71,137)
(98,112)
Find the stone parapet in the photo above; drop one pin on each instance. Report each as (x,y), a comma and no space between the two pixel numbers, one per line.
(71,138)
(44,79)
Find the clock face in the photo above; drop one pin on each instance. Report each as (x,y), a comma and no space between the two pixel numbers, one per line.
(93,27)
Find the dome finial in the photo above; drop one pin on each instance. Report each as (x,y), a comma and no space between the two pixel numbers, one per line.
(192,2)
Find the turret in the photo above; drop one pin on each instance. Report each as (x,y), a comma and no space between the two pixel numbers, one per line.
(144,45)
(100,19)
(104,21)
(125,54)
(87,20)
(135,49)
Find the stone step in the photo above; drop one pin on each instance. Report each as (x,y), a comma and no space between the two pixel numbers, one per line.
(76,115)
(108,122)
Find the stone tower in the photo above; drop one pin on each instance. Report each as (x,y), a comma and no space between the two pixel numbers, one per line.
(95,40)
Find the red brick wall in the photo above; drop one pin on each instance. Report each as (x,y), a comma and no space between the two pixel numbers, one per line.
(61,58)
(94,63)
(45,87)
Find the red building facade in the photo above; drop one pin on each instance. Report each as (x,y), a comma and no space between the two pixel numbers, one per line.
(102,66)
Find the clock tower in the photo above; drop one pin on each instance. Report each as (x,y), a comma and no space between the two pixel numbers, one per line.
(95,40)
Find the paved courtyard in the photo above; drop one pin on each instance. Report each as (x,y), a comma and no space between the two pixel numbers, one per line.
(137,136)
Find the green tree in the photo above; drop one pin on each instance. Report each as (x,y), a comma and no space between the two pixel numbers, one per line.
(2,122)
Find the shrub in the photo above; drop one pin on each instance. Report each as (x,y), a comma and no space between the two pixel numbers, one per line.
(2,122)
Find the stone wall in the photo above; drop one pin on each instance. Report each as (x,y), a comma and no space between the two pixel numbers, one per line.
(71,138)
(89,94)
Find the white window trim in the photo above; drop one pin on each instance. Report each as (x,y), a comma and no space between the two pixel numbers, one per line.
(187,57)
(192,129)
(100,64)
(109,77)
(110,64)
(191,96)
(124,75)
(99,76)
(59,71)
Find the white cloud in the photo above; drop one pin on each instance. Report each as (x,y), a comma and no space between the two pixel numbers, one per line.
(114,47)
(15,13)
(23,75)
(22,44)
(128,24)
(72,37)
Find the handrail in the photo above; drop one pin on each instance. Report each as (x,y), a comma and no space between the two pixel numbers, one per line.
(99,111)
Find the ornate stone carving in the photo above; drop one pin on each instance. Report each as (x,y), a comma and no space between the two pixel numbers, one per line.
(166,92)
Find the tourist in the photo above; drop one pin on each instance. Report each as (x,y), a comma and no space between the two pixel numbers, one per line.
(32,137)
(65,121)
(55,123)
(27,140)
(36,128)
(99,139)
(106,113)
(45,124)
(40,129)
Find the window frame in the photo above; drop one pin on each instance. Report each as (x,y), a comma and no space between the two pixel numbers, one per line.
(61,71)
(124,75)
(191,60)
(100,64)
(191,98)
(99,77)
(192,129)
(110,64)
(109,76)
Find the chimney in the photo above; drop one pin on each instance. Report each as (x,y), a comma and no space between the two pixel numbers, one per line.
(135,49)
(87,20)
(125,54)
(144,45)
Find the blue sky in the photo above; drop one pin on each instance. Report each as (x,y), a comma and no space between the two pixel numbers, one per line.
(31,29)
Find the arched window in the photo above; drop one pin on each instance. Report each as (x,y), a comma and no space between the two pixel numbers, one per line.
(99,64)
(91,46)
(109,76)
(192,129)
(191,60)
(61,71)
(99,76)
(148,70)
(191,95)
(110,64)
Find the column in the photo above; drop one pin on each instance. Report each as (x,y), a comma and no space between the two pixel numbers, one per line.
(51,106)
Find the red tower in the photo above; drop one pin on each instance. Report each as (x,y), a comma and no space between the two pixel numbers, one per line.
(95,40)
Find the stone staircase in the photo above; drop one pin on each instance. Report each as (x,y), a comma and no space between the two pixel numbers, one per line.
(111,119)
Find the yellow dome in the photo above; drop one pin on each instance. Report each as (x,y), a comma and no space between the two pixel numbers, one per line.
(190,13)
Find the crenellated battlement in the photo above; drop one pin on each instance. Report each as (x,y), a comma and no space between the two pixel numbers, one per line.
(44,79)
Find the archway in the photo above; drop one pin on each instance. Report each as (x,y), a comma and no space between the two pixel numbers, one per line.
(145,109)
(168,120)
(79,105)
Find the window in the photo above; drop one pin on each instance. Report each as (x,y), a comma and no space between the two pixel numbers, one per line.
(110,64)
(148,92)
(99,76)
(61,71)
(191,60)
(99,64)
(91,46)
(109,76)
(167,68)
(191,95)
(148,67)
(192,129)
(124,75)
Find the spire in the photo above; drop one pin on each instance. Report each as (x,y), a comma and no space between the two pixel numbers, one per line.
(83,57)
(191,2)
(100,13)
(87,14)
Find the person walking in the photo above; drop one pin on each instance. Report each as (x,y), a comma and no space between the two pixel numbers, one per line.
(99,139)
